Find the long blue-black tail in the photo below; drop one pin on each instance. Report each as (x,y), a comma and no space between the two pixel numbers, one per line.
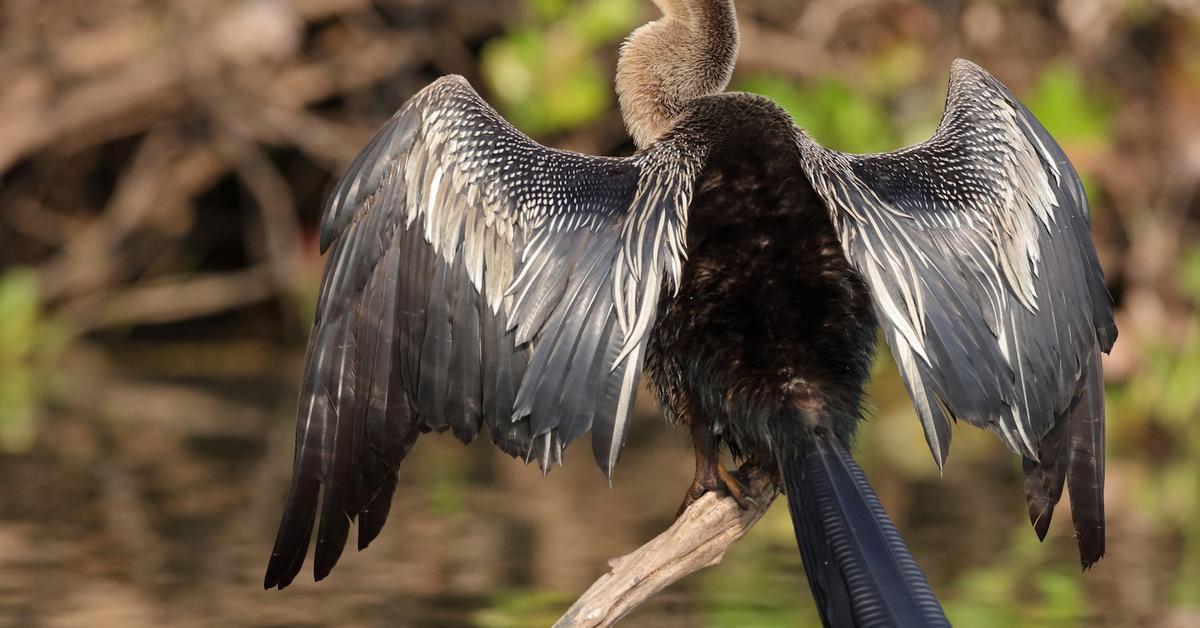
(860,570)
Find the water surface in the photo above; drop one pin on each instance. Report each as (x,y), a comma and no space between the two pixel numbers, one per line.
(149,490)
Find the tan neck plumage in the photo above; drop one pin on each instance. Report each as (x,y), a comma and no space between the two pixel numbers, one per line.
(688,53)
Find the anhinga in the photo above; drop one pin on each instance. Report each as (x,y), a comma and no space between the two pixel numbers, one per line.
(477,278)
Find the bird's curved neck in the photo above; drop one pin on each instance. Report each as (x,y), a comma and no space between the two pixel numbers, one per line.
(688,53)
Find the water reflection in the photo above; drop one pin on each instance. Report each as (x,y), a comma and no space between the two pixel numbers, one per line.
(150,493)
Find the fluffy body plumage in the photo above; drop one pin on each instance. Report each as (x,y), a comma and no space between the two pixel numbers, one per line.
(478,280)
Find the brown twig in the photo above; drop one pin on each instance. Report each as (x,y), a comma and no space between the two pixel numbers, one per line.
(154,189)
(699,538)
(166,300)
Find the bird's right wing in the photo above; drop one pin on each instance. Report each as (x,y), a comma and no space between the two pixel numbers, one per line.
(474,277)
(977,250)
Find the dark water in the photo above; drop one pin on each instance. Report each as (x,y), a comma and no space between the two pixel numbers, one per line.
(146,491)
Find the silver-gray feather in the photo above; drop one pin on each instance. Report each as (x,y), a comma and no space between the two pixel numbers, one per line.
(554,241)
(476,278)
(977,250)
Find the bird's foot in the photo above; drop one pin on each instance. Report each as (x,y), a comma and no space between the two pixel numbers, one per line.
(719,480)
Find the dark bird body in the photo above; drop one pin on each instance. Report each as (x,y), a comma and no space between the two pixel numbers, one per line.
(766,348)
(480,282)
(770,319)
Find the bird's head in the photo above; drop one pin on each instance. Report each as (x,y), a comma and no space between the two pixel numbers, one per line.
(688,53)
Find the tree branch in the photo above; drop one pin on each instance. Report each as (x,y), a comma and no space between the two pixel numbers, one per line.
(699,538)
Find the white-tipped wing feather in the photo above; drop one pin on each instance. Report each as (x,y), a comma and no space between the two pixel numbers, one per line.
(475,277)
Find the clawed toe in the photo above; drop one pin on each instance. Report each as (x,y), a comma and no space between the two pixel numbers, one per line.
(723,481)
(736,487)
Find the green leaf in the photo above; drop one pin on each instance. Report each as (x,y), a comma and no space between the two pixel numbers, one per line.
(30,343)
(19,305)
(546,76)
(834,113)
(1065,106)
(599,22)
(1189,273)
(549,9)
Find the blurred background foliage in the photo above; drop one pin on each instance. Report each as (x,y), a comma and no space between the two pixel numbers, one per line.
(162,173)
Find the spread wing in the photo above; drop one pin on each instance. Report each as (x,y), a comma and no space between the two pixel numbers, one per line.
(474,278)
(976,246)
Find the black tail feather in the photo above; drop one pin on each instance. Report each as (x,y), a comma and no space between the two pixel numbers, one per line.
(860,570)
(1085,465)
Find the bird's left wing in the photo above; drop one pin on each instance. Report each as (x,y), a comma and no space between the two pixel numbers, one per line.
(976,246)
(474,278)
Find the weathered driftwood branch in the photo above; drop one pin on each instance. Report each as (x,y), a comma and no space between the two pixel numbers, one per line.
(698,539)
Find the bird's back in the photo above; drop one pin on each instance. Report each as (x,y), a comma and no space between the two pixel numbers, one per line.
(769,311)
